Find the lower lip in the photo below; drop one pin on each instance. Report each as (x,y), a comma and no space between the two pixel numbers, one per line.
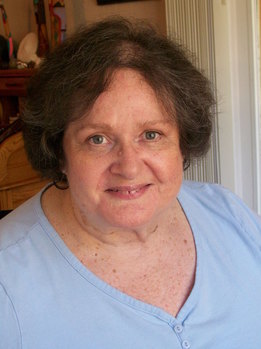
(129,195)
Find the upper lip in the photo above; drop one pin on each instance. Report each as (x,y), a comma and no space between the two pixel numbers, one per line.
(127,187)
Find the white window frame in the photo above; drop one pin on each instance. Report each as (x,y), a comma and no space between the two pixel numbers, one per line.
(237,76)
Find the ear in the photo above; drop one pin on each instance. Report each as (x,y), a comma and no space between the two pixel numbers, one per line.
(62,165)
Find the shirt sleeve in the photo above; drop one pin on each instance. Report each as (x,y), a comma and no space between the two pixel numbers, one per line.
(10,335)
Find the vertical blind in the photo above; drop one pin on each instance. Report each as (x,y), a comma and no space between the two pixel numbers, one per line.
(191,23)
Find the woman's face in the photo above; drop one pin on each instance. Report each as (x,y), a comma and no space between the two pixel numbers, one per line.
(123,161)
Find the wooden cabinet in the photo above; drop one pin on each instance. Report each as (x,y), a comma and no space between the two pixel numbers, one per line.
(12,92)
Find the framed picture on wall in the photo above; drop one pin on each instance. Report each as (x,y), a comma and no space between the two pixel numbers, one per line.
(107,2)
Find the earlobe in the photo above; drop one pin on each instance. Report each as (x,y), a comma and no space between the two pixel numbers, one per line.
(62,183)
(62,166)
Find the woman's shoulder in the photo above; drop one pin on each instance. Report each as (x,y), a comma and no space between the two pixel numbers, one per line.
(215,197)
(216,203)
(212,193)
(203,188)
(204,191)
(15,226)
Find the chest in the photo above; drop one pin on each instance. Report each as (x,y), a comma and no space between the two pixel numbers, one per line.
(164,281)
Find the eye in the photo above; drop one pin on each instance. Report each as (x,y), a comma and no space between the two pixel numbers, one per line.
(97,139)
(151,135)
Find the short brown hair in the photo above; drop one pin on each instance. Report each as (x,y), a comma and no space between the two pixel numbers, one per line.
(72,77)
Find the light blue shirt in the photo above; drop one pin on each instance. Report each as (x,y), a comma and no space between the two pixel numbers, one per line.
(49,300)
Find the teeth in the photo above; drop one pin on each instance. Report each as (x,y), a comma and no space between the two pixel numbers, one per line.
(129,191)
(125,191)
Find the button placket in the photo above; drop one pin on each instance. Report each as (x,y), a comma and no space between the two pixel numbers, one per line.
(185,344)
(179,330)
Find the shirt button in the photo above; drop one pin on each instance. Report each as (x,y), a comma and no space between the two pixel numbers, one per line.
(185,344)
(178,328)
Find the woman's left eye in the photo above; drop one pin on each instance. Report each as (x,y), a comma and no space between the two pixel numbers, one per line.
(151,135)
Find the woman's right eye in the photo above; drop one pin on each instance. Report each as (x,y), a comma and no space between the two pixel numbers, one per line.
(97,139)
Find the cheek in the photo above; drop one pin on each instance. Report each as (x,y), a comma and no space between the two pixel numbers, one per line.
(177,166)
(169,167)
(75,168)
(85,174)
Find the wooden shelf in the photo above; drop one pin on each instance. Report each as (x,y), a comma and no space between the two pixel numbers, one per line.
(13,83)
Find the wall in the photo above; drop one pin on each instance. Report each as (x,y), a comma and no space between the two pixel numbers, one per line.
(21,14)
(83,11)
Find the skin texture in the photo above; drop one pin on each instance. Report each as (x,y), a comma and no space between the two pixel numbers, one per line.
(120,215)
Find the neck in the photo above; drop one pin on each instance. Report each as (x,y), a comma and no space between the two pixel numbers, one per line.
(80,233)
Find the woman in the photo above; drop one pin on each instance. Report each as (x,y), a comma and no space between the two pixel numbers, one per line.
(119,252)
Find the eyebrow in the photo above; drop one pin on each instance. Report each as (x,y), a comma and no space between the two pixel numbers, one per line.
(156,122)
(99,125)
(103,125)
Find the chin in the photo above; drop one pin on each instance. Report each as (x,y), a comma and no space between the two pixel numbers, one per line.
(130,220)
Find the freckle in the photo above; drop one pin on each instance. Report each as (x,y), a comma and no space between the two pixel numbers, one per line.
(96,254)
(185,241)
(114,270)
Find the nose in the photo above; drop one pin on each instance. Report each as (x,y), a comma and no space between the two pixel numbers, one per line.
(127,162)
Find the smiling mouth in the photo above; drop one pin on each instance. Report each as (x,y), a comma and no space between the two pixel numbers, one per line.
(128,192)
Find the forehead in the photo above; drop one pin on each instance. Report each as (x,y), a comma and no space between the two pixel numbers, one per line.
(125,86)
(128,77)
(127,94)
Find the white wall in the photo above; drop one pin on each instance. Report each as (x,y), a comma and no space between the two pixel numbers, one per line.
(238,112)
